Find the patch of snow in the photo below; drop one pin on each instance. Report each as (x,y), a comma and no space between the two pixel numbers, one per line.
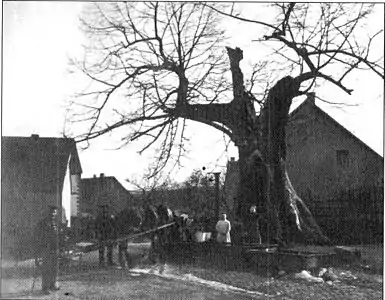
(192,278)
(305,275)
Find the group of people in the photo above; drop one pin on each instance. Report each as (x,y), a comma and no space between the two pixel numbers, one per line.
(108,229)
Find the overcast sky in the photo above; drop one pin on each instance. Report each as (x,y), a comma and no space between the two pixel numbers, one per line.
(38,38)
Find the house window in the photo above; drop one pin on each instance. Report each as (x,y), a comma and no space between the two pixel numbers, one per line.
(342,158)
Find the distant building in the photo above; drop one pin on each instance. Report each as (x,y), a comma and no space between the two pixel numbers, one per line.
(103,190)
(36,172)
(188,199)
(338,176)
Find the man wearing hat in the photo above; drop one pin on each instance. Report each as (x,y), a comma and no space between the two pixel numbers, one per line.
(106,232)
(47,248)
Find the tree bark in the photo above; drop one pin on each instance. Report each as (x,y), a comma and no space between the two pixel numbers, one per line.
(264,181)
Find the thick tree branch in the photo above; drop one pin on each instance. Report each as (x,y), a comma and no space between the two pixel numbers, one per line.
(236,55)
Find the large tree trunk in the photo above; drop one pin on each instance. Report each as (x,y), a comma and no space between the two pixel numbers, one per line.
(264,181)
(295,220)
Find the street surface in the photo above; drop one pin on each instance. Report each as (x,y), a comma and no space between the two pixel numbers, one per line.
(112,284)
(85,280)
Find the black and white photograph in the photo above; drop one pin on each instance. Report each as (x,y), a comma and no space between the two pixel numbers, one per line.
(192,150)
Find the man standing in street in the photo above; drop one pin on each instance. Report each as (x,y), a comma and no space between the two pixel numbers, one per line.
(253,225)
(106,232)
(47,248)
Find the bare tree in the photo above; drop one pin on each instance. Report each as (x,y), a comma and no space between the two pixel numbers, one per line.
(147,64)
(155,65)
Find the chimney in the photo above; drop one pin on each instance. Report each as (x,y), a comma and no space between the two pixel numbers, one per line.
(35,136)
(232,159)
(311,97)
(101,175)
(94,176)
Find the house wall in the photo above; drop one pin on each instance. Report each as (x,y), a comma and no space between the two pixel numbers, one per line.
(119,197)
(21,211)
(75,194)
(345,195)
(22,208)
(103,190)
(313,167)
(71,194)
(66,198)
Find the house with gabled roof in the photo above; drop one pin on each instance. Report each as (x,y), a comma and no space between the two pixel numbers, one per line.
(339,177)
(36,172)
(324,157)
(103,190)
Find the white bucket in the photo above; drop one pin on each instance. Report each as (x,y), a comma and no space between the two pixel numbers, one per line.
(207,236)
(201,237)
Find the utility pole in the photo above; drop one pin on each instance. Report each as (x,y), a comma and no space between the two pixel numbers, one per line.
(216,178)
(216,175)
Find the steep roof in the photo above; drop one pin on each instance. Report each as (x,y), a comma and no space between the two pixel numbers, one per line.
(94,180)
(104,190)
(94,185)
(38,164)
(309,102)
(177,198)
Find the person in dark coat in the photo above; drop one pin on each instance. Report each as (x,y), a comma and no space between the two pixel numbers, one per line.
(151,217)
(106,233)
(253,225)
(46,235)
(128,221)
